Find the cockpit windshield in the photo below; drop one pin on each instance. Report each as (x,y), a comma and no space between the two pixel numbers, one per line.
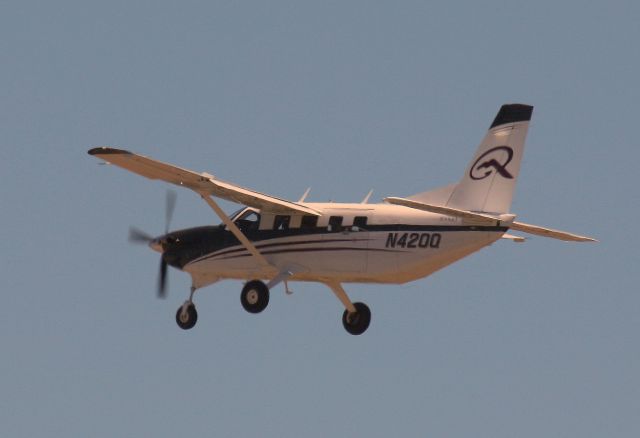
(233,216)
(247,219)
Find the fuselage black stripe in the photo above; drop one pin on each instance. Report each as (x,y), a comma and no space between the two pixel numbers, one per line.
(282,251)
(271,245)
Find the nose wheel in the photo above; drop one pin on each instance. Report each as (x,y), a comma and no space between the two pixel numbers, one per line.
(187,316)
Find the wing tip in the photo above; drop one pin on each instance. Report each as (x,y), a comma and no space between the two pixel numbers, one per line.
(105,150)
(578,238)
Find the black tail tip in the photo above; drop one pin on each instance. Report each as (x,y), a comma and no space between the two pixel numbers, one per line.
(511,113)
(105,150)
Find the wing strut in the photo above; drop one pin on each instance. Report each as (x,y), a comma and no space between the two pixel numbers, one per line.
(236,231)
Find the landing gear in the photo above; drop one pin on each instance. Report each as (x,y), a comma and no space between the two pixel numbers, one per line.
(187,316)
(357,316)
(254,296)
(357,322)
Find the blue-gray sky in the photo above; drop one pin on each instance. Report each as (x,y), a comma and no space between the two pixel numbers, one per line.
(539,339)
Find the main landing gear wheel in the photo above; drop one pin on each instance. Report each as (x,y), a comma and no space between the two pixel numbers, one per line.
(254,296)
(187,319)
(358,322)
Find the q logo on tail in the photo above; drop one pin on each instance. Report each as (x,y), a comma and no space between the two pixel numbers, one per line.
(492,160)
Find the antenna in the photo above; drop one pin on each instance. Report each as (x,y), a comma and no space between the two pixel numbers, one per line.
(304,196)
(366,198)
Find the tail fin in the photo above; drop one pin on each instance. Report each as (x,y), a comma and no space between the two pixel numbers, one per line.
(490,179)
(485,191)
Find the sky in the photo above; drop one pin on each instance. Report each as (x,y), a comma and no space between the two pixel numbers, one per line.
(526,340)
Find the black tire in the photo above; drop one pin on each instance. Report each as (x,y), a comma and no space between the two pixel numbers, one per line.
(189,319)
(357,323)
(254,296)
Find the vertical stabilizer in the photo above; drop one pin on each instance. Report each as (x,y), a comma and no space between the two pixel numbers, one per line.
(490,179)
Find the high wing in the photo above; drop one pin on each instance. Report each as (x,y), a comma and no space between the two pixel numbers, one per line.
(202,183)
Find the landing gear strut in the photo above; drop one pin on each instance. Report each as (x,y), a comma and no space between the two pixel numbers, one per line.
(357,316)
(254,296)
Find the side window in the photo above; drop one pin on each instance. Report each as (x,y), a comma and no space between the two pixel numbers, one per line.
(360,222)
(249,221)
(309,222)
(281,222)
(335,223)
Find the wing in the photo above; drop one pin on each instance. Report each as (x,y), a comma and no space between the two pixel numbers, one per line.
(202,183)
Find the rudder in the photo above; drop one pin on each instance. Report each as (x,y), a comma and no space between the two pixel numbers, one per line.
(490,178)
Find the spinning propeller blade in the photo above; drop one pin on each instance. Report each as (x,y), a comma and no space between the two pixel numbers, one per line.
(169,208)
(162,279)
(139,236)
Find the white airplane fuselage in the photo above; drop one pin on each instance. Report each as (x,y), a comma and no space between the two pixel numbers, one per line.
(394,244)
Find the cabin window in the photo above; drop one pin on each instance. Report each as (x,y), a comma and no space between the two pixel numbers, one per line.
(309,222)
(281,222)
(360,222)
(335,223)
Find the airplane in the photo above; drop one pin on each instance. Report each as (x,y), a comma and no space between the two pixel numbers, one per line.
(270,240)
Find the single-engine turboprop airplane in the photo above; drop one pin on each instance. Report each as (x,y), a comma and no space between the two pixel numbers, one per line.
(272,240)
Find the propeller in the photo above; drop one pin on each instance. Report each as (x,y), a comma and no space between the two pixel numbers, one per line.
(170,206)
(162,278)
(138,236)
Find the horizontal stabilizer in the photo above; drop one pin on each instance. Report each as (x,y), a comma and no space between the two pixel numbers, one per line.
(517,239)
(504,220)
(485,219)
(549,232)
